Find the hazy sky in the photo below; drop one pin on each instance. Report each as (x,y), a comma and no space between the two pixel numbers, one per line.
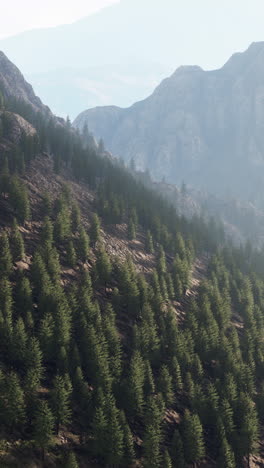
(205,32)
(20,15)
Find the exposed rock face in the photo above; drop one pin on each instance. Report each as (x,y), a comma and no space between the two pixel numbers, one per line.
(12,83)
(206,128)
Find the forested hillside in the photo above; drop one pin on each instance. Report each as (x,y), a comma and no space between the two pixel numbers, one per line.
(129,336)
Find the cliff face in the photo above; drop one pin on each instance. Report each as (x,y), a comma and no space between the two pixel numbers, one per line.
(202,127)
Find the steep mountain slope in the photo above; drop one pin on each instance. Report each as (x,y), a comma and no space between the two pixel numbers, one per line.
(129,336)
(13,84)
(202,127)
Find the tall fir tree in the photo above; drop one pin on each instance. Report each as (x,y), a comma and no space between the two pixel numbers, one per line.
(43,423)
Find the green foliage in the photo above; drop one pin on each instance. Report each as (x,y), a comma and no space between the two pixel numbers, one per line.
(128,442)
(62,227)
(46,204)
(17,243)
(135,385)
(83,245)
(151,445)
(71,256)
(13,407)
(166,463)
(95,229)
(108,433)
(71,461)
(177,453)
(43,423)
(103,265)
(193,439)
(19,200)
(47,231)
(5,256)
(60,402)
(149,243)
(75,217)
(165,386)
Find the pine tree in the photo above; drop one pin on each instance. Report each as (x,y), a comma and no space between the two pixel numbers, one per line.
(114,434)
(165,385)
(60,402)
(248,426)
(151,448)
(62,227)
(228,417)
(103,266)
(113,344)
(62,360)
(226,457)
(46,336)
(17,243)
(71,461)
(51,257)
(47,231)
(176,375)
(162,267)
(149,384)
(83,245)
(166,462)
(62,319)
(34,357)
(149,243)
(46,203)
(86,284)
(149,341)
(6,266)
(14,409)
(43,423)
(31,386)
(135,384)
(40,277)
(19,200)
(71,255)
(75,217)
(99,429)
(177,453)
(19,342)
(95,229)
(193,439)
(6,308)
(128,443)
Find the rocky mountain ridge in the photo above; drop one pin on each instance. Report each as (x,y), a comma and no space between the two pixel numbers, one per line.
(13,84)
(205,128)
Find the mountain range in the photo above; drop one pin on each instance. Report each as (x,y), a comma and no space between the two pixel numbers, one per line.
(118,55)
(203,127)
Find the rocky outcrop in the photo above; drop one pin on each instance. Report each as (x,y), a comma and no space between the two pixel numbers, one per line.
(204,127)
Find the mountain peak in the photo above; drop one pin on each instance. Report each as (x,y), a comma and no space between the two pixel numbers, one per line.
(256,46)
(241,60)
(184,69)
